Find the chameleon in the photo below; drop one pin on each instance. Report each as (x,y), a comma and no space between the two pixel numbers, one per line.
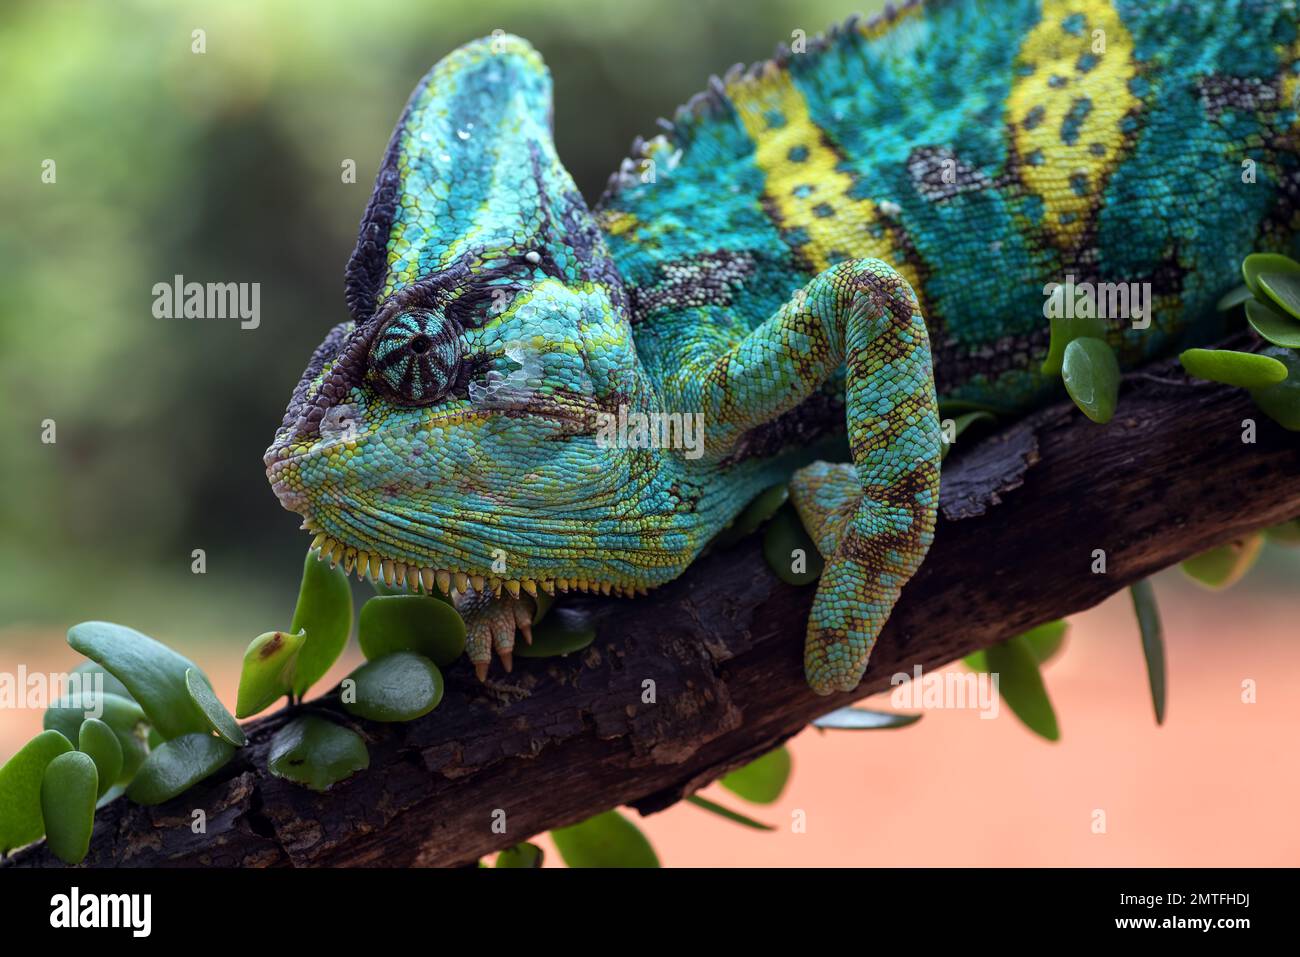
(813,252)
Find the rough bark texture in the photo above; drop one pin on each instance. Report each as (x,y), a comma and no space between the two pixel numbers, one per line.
(561,739)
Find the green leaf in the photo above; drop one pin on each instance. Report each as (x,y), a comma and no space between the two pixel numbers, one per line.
(324,614)
(1233,298)
(862,719)
(564,632)
(91,676)
(177,766)
(784,539)
(606,840)
(1225,564)
(1281,402)
(521,855)
(218,717)
(1021,686)
(1258,264)
(100,742)
(122,715)
(415,623)
(1247,370)
(1287,533)
(730,815)
(1065,331)
(542,603)
(397,687)
(316,752)
(1091,374)
(1278,329)
(267,674)
(960,425)
(20,789)
(1153,642)
(753,515)
(413,586)
(1045,640)
(761,780)
(152,672)
(69,788)
(1282,289)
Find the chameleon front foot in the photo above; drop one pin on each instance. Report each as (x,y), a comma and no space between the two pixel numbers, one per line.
(491,623)
(871,549)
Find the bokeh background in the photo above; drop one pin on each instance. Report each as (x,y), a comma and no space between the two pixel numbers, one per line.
(226,166)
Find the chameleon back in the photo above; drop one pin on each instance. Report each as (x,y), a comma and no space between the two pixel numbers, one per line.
(984,150)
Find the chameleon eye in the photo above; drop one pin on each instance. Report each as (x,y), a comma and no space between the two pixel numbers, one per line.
(415,357)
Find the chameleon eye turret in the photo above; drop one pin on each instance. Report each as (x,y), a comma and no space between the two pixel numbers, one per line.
(415,358)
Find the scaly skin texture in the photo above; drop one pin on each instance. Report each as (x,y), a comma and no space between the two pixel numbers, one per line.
(765,264)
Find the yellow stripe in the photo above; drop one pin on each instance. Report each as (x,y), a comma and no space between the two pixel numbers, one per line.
(616,223)
(1063,70)
(1290,79)
(800,193)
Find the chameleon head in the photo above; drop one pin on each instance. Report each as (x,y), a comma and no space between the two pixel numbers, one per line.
(448,429)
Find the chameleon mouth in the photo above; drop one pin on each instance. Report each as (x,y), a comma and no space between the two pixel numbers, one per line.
(398,573)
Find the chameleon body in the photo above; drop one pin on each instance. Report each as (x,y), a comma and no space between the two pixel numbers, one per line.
(765,263)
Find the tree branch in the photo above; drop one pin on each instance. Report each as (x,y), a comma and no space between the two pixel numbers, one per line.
(562,739)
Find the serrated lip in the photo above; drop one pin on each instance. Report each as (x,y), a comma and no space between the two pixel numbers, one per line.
(396,572)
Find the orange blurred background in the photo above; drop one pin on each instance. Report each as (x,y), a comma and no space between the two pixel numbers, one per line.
(1217,785)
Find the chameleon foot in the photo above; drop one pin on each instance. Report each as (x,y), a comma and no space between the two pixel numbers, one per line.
(826,495)
(491,622)
(869,549)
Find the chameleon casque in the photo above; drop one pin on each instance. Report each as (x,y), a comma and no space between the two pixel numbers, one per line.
(766,262)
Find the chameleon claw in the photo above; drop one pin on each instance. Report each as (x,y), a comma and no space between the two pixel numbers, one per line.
(481,669)
(507,660)
(526,629)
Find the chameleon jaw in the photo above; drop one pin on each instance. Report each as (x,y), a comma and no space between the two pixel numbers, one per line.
(395,572)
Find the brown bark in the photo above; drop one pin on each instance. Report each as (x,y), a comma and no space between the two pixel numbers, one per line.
(559,740)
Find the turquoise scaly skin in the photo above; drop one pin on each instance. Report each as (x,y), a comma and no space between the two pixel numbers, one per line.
(765,264)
